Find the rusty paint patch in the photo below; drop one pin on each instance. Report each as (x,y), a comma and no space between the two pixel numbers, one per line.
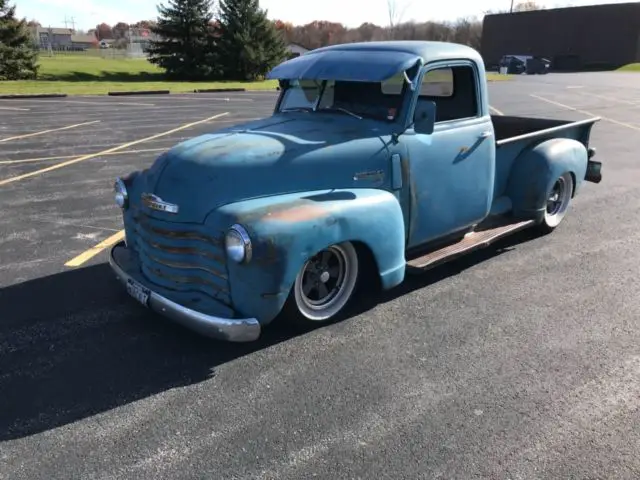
(177,234)
(186,251)
(188,280)
(373,176)
(300,213)
(186,266)
(294,211)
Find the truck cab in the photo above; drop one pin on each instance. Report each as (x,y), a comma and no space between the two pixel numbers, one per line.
(380,159)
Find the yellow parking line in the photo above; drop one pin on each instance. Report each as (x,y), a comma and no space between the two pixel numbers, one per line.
(568,107)
(92,252)
(18,137)
(109,150)
(65,157)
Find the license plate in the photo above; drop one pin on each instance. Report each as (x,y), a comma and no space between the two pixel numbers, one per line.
(137,291)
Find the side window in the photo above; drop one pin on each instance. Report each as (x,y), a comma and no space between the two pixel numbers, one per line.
(453,89)
(437,83)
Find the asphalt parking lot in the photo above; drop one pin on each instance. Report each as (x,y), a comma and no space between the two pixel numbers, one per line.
(520,362)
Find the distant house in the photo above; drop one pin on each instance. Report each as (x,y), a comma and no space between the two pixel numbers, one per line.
(54,38)
(296,50)
(84,41)
(46,38)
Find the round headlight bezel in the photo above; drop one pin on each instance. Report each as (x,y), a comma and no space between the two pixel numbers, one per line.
(121,196)
(238,244)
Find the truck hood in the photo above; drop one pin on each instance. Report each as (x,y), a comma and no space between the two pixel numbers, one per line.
(277,155)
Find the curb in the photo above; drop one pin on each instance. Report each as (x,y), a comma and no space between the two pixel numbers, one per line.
(35,95)
(213,90)
(140,92)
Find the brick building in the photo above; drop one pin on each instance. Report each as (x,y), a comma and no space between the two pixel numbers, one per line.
(573,38)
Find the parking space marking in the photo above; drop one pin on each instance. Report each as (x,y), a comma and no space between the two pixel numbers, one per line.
(93,251)
(65,157)
(607,98)
(222,99)
(568,107)
(15,109)
(85,102)
(495,110)
(34,134)
(109,150)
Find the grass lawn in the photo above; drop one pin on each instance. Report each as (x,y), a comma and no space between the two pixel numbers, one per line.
(89,73)
(632,67)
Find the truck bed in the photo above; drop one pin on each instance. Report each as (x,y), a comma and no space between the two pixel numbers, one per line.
(511,128)
(515,134)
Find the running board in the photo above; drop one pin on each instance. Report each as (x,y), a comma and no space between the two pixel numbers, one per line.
(481,237)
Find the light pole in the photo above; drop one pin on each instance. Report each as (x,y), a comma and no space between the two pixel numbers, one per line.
(511,9)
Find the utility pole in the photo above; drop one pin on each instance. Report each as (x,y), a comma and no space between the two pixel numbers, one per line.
(511,9)
(71,21)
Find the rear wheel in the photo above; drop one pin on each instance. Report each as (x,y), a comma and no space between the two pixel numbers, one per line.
(324,286)
(558,200)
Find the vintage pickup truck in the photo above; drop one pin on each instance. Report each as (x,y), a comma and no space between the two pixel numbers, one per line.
(380,158)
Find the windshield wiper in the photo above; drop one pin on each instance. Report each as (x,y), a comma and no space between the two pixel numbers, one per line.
(344,110)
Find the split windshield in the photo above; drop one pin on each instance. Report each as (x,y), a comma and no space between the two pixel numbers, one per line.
(377,100)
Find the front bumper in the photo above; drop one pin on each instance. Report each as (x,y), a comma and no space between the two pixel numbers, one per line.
(232,330)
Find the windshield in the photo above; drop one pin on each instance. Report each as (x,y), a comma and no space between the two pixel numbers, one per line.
(377,100)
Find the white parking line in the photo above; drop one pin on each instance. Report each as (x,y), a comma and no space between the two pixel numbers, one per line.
(28,135)
(608,99)
(15,109)
(109,150)
(495,110)
(568,107)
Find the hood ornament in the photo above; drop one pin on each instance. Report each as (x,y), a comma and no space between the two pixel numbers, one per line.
(156,203)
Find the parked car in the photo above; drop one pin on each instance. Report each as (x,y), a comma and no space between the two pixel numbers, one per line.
(519,64)
(380,159)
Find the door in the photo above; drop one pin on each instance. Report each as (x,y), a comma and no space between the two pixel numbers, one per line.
(452,169)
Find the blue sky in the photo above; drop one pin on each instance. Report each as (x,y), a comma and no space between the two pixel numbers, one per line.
(87,13)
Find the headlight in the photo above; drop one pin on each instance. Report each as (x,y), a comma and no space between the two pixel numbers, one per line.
(238,244)
(121,196)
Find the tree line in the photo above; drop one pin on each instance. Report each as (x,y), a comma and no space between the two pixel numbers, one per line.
(238,41)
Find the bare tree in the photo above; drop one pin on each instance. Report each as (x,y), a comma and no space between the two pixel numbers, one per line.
(526,6)
(396,14)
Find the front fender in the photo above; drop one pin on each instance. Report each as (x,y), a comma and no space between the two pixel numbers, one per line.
(286,230)
(535,171)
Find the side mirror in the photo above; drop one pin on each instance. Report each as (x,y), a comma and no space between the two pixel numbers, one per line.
(424,117)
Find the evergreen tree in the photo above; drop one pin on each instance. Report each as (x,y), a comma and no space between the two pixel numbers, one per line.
(186,42)
(249,44)
(18,57)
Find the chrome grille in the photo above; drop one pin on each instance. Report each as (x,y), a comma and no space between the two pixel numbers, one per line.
(182,258)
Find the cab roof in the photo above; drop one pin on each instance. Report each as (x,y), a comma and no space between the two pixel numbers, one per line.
(369,61)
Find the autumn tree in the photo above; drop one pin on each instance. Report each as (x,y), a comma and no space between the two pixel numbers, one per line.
(185,44)
(18,57)
(249,44)
(104,32)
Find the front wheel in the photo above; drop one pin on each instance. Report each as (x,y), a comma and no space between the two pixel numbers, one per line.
(324,286)
(558,200)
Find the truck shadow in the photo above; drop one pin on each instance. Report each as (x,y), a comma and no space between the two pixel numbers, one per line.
(73,345)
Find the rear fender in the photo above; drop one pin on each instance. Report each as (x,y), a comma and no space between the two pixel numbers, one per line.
(286,230)
(536,169)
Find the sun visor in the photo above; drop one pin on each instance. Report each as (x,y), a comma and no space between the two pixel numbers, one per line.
(345,65)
